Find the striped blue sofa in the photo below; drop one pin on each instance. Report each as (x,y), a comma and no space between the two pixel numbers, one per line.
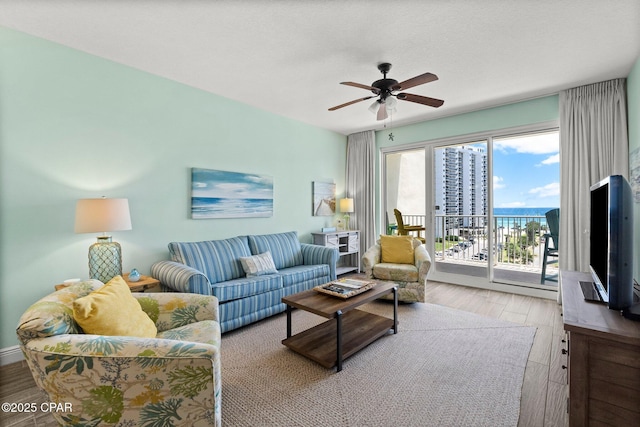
(213,267)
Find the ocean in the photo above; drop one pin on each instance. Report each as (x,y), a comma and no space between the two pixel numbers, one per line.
(516,217)
(217,207)
(520,211)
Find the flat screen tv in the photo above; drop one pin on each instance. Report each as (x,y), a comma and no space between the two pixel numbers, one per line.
(611,247)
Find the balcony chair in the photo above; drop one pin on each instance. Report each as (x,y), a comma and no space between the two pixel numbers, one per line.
(404,230)
(173,376)
(550,244)
(391,228)
(400,259)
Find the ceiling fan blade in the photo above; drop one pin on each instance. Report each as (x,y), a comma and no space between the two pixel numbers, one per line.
(361,86)
(425,100)
(418,80)
(351,102)
(382,112)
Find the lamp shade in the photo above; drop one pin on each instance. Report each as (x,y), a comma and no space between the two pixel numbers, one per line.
(102,215)
(346,205)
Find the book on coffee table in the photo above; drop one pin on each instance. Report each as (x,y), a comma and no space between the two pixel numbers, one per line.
(345,288)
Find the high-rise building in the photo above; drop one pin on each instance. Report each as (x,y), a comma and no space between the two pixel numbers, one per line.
(461,187)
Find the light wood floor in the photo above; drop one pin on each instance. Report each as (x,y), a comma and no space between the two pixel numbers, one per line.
(544,392)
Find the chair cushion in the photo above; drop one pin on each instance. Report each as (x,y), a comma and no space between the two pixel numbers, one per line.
(396,272)
(112,310)
(258,265)
(397,249)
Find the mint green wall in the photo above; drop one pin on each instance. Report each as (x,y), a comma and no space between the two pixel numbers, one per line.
(633,112)
(523,113)
(76,126)
(517,114)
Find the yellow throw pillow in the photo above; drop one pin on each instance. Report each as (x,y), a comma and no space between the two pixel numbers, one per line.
(112,310)
(397,249)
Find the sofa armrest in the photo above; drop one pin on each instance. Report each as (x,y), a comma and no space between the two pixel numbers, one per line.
(316,254)
(423,263)
(370,258)
(181,278)
(172,309)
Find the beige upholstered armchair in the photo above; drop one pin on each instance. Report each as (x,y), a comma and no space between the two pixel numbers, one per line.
(172,378)
(410,274)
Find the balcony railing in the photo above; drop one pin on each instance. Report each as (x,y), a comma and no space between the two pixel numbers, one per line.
(517,241)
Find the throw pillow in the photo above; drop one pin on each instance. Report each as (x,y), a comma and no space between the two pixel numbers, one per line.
(258,265)
(397,249)
(112,310)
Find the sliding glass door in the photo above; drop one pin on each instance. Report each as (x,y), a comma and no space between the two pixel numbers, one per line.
(460,193)
(481,203)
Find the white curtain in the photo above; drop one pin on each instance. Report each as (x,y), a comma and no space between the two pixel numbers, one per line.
(593,145)
(360,185)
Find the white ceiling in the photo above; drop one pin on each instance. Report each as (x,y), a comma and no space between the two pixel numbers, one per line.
(288,57)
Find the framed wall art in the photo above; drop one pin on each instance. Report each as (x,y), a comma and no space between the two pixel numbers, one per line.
(324,199)
(222,194)
(634,173)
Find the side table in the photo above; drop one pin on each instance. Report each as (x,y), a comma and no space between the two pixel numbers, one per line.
(145,283)
(348,244)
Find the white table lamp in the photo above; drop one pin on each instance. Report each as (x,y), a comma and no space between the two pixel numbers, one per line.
(346,207)
(103,215)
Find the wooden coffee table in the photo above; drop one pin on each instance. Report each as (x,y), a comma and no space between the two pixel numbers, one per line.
(346,332)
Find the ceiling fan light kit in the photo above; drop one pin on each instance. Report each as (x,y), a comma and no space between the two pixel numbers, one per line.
(385,90)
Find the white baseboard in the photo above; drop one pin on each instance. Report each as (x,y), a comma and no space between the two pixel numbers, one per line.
(10,355)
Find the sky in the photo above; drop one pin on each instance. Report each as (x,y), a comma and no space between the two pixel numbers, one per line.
(526,171)
(230,185)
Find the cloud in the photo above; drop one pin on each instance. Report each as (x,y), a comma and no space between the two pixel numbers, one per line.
(513,205)
(539,143)
(549,190)
(498,182)
(550,160)
(232,186)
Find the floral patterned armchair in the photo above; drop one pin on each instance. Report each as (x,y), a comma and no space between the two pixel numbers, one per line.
(170,380)
(410,278)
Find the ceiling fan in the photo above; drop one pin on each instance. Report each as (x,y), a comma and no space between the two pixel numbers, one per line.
(385,90)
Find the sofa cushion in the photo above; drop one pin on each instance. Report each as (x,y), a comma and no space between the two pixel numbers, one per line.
(303,273)
(219,260)
(246,287)
(112,310)
(258,265)
(284,247)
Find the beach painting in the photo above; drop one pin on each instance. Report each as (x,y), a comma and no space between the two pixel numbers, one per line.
(634,173)
(222,194)
(324,199)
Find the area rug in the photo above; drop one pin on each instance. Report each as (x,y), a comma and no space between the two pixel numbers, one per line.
(444,368)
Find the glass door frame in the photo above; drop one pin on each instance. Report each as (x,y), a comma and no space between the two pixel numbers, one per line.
(449,277)
(429,175)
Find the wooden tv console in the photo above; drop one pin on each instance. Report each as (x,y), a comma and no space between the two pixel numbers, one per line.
(603,359)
